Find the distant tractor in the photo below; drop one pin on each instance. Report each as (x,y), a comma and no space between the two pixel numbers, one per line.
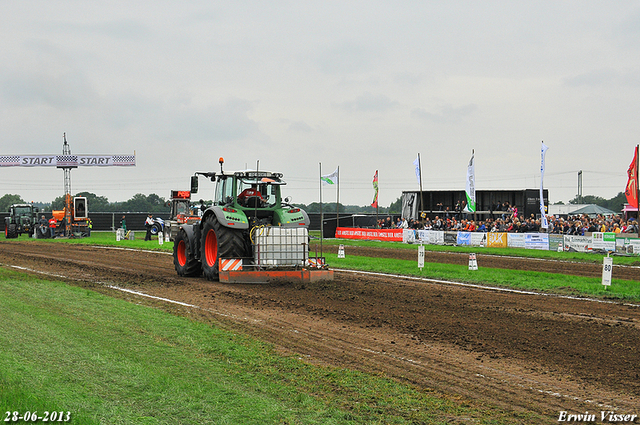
(181,212)
(23,218)
(248,234)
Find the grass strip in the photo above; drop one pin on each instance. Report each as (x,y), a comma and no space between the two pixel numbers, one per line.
(583,257)
(555,283)
(106,360)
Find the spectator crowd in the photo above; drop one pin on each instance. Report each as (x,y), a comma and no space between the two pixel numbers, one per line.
(512,222)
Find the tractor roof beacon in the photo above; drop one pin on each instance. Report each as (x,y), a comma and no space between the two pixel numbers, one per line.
(248,234)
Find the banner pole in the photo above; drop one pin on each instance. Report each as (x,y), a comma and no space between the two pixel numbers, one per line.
(321,212)
(420,200)
(338,200)
(377,199)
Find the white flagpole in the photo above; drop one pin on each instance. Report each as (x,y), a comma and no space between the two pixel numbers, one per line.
(338,200)
(321,213)
(544,223)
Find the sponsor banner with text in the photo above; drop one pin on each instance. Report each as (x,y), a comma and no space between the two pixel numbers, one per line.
(536,241)
(497,240)
(369,234)
(515,240)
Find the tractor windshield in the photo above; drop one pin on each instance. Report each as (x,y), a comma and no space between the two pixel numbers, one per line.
(22,210)
(261,193)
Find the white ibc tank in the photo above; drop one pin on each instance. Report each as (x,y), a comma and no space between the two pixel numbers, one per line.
(281,246)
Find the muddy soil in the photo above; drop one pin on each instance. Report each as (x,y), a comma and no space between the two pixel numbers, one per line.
(522,352)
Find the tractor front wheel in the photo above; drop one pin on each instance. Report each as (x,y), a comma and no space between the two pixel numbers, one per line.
(219,242)
(11,231)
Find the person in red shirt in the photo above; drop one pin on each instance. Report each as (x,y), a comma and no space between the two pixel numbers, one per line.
(53,223)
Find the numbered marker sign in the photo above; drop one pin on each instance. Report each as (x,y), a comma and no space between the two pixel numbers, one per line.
(421,257)
(607,266)
(473,262)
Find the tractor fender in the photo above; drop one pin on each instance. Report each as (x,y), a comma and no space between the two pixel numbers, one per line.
(233,220)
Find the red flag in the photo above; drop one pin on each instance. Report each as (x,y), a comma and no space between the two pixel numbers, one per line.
(375,187)
(631,190)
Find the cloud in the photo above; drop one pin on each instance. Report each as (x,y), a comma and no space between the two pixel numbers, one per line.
(593,78)
(300,126)
(69,90)
(447,113)
(369,103)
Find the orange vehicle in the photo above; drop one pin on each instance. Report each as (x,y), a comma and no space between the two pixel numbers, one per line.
(73,220)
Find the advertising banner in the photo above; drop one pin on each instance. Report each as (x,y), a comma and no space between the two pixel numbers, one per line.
(463,238)
(556,241)
(628,246)
(436,237)
(577,243)
(450,238)
(515,240)
(604,241)
(369,234)
(478,239)
(536,241)
(497,240)
(408,236)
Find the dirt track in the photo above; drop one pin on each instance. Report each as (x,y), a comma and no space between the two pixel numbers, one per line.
(531,353)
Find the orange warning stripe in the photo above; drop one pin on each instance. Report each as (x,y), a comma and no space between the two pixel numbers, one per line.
(231,264)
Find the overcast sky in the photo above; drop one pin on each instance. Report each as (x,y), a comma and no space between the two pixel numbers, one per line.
(363,85)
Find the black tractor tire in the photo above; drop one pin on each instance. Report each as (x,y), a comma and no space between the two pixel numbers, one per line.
(156,228)
(11,231)
(219,242)
(184,260)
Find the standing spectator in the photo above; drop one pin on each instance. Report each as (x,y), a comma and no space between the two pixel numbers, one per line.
(148,223)
(52,226)
(43,225)
(123,224)
(458,208)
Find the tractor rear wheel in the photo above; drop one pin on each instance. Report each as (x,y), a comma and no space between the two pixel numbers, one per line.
(184,260)
(219,242)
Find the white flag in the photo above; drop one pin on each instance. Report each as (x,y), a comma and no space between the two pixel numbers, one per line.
(417,164)
(330,178)
(543,217)
(471,185)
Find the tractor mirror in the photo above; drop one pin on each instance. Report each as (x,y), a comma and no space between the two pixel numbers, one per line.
(194,184)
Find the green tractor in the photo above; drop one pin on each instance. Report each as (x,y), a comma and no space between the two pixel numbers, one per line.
(248,221)
(23,218)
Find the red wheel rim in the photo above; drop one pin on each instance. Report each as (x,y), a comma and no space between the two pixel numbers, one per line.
(182,253)
(211,248)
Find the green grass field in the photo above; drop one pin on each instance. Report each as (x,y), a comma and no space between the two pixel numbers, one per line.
(108,361)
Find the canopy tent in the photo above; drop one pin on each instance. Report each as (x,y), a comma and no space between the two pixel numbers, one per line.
(593,210)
